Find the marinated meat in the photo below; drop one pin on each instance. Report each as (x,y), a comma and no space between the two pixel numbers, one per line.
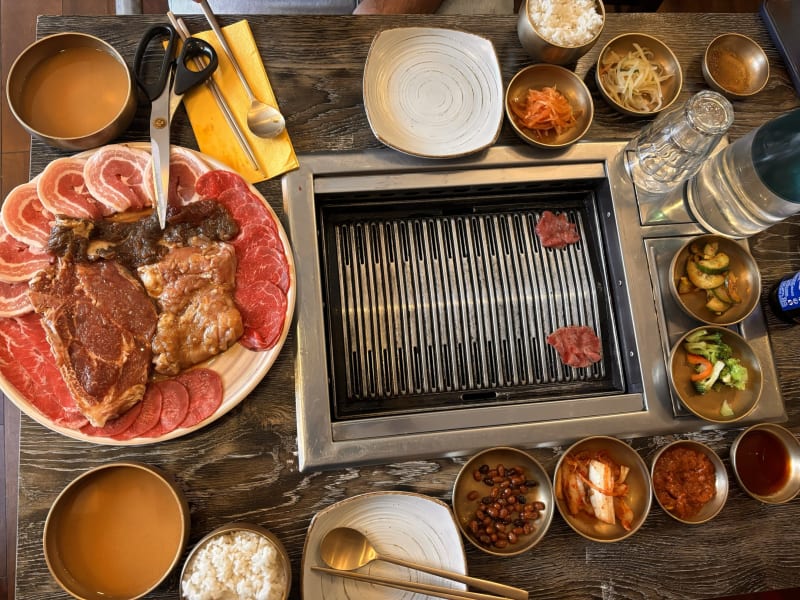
(263,275)
(25,218)
(577,346)
(117,176)
(99,323)
(18,261)
(193,286)
(556,231)
(62,190)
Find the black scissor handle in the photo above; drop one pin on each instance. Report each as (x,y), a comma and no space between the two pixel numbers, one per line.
(187,77)
(153,89)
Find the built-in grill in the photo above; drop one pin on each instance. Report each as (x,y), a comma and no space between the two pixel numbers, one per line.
(425,300)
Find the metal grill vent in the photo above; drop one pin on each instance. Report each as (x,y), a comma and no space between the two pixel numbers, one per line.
(434,304)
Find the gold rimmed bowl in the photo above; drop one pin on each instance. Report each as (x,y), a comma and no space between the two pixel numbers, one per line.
(736,66)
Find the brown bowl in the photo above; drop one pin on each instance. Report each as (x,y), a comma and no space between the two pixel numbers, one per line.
(639,496)
(116,532)
(766,461)
(664,480)
(72,90)
(567,83)
(695,302)
(662,55)
(470,488)
(541,45)
(708,406)
(736,66)
(225,539)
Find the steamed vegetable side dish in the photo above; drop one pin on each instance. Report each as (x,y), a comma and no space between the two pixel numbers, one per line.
(634,80)
(544,111)
(714,365)
(708,270)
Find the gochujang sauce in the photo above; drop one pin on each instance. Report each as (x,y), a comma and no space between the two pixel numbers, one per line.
(762,462)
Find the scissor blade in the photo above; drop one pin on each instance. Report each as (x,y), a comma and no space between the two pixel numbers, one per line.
(160,151)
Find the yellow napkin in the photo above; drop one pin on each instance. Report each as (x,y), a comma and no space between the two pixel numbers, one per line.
(275,155)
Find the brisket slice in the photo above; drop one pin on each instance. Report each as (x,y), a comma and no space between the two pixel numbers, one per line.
(99,322)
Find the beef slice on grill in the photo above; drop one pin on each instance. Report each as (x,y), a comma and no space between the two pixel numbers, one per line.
(99,322)
(194,288)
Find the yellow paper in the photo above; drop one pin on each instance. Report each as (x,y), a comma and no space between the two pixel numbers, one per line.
(215,138)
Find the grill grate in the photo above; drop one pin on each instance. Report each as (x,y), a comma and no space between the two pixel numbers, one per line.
(438,304)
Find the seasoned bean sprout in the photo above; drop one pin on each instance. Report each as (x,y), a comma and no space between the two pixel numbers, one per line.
(634,80)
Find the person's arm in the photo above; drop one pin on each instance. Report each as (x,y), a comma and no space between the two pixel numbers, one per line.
(396,7)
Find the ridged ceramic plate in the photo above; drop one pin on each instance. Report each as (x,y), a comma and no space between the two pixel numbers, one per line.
(399,524)
(435,93)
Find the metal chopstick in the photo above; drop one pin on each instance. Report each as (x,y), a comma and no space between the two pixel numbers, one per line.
(183,31)
(411,586)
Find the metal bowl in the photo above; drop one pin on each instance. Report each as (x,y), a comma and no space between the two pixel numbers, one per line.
(621,45)
(544,50)
(565,81)
(470,488)
(40,68)
(116,531)
(227,532)
(707,406)
(736,66)
(743,274)
(783,454)
(639,496)
(712,507)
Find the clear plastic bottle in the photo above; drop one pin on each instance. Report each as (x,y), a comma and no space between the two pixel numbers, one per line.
(675,145)
(751,184)
(784,298)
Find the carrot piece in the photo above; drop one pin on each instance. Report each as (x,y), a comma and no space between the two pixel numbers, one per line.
(697,360)
(544,110)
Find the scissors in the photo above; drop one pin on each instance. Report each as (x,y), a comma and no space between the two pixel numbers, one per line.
(165,92)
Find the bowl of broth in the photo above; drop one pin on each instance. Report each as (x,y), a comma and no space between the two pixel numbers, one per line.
(72,90)
(116,532)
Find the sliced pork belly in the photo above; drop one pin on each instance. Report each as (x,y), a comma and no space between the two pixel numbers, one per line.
(99,322)
(25,218)
(18,261)
(185,168)
(117,176)
(193,286)
(63,191)
(14,299)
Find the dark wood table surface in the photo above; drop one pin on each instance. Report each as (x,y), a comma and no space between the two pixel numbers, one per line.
(244,466)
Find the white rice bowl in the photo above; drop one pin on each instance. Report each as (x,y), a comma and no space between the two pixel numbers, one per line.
(235,565)
(567,23)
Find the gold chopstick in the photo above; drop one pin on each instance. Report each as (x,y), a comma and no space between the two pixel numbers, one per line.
(411,586)
(183,31)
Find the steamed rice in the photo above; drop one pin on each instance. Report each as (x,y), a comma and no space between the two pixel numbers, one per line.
(566,23)
(233,566)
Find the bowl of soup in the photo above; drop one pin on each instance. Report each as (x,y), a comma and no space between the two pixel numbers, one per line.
(72,90)
(116,532)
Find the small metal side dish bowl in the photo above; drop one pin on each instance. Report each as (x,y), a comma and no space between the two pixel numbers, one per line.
(116,532)
(81,116)
(470,489)
(228,531)
(777,463)
(639,496)
(736,66)
(711,508)
(564,81)
(708,406)
(543,50)
(736,297)
(662,55)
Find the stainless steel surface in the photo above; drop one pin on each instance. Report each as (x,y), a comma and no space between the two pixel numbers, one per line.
(634,261)
(262,119)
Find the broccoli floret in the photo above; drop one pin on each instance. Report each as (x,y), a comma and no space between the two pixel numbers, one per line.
(702,335)
(712,351)
(734,374)
(706,384)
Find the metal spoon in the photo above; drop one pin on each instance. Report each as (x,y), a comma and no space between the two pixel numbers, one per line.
(346,549)
(263,120)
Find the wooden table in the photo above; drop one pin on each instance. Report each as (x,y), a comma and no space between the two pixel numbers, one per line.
(244,466)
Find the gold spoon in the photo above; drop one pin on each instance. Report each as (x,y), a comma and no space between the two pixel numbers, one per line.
(346,549)
(263,120)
